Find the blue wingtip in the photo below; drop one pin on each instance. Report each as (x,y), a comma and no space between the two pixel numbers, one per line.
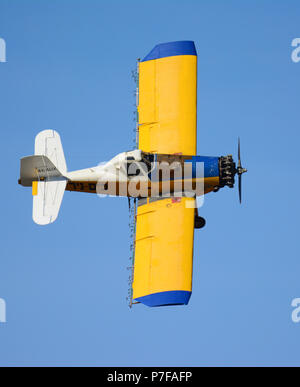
(174,297)
(183,47)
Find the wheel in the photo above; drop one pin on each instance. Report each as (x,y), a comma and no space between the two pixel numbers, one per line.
(199,222)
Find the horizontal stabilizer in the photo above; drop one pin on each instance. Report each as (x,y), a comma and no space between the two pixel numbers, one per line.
(48,143)
(46,203)
(46,172)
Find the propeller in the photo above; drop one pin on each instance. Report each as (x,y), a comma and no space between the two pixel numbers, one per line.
(240,170)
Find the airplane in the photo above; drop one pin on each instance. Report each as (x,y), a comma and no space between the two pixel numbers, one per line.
(166,211)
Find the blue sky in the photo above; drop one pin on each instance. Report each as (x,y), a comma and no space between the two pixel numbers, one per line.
(69,68)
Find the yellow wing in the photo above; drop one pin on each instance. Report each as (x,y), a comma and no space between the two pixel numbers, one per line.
(163,263)
(168,98)
(167,108)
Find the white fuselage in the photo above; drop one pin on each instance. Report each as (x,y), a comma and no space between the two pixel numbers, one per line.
(112,177)
(128,174)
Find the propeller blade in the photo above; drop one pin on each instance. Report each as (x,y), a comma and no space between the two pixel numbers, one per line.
(240,170)
(240,188)
(239,153)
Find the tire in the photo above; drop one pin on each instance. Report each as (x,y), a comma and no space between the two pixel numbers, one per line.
(199,222)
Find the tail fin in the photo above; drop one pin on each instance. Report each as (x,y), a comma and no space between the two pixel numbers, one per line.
(45,171)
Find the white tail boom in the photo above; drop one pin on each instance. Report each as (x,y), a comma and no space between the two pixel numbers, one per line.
(46,172)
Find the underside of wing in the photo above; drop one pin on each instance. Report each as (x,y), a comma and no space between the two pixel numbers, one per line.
(168,98)
(163,262)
